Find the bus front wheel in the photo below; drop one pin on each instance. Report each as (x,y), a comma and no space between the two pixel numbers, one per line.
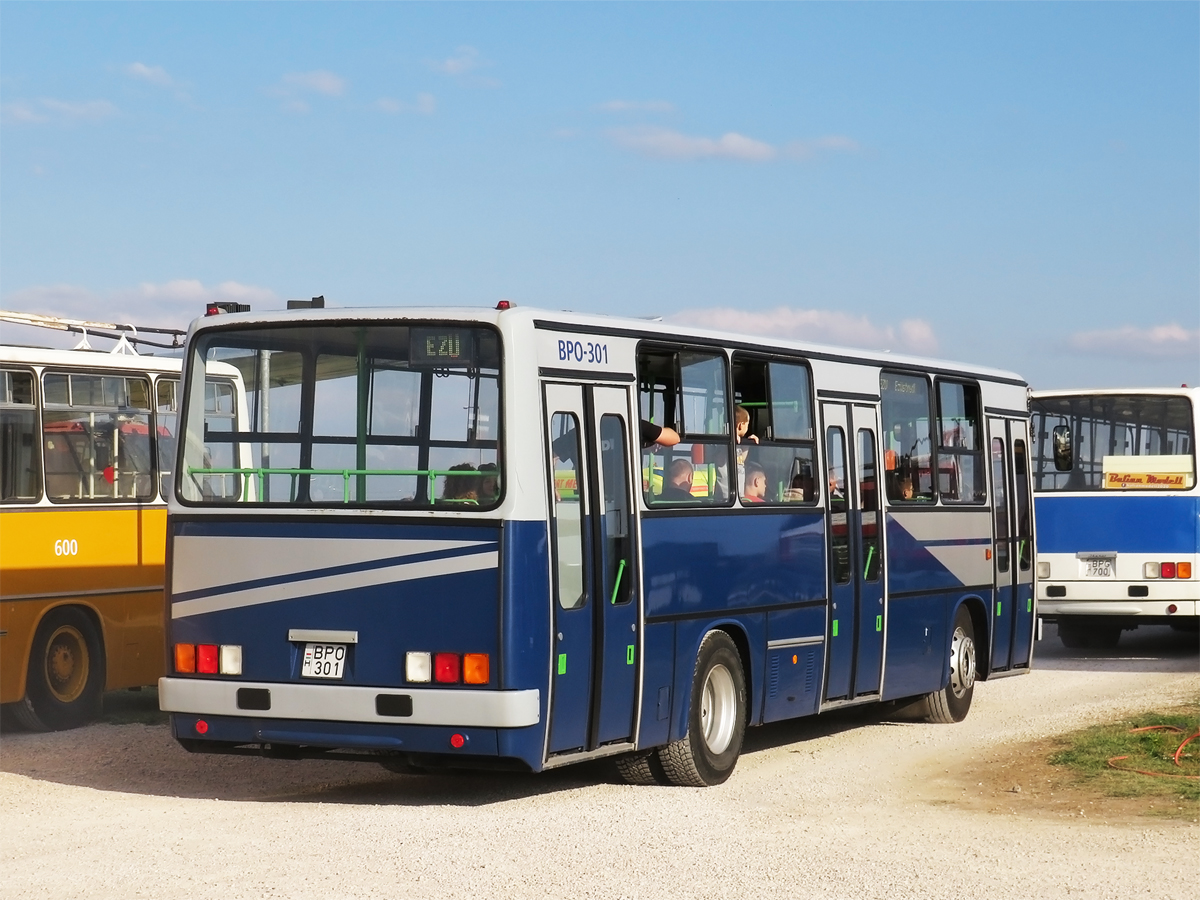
(952,702)
(716,718)
(66,673)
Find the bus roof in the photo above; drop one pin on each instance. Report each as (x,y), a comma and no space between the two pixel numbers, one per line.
(92,359)
(617,326)
(1193,392)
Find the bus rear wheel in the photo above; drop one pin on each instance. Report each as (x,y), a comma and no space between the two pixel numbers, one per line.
(953,702)
(716,718)
(66,673)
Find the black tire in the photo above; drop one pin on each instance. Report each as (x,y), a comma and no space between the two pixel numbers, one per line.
(953,702)
(641,768)
(716,718)
(1104,637)
(66,673)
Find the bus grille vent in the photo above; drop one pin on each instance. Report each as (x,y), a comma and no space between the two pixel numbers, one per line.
(810,671)
(773,680)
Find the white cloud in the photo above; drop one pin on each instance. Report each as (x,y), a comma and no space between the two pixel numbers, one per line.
(618,106)
(1132,341)
(171,304)
(89,111)
(831,143)
(23,112)
(320,81)
(821,326)
(153,74)
(425,105)
(465,60)
(47,109)
(667,144)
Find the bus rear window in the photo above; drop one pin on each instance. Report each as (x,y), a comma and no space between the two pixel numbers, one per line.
(1089,442)
(338,415)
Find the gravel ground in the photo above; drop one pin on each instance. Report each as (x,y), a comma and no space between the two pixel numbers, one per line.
(840,806)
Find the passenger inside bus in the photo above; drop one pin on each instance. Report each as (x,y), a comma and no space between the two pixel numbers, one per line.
(462,488)
(678,483)
(489,482)
(756,484)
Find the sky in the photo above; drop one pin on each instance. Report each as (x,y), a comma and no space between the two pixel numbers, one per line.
(1015,185)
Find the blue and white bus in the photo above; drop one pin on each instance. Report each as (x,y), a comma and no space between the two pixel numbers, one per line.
(1118,511)
(453,549)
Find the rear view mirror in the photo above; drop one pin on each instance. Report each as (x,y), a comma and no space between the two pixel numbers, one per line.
(1063,455)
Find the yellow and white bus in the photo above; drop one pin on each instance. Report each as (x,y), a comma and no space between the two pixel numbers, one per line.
(86,445)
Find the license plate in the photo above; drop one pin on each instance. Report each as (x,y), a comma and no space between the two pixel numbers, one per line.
(323,661)
(1097,568)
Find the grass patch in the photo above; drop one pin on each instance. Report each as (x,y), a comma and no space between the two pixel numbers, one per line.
(1086,754)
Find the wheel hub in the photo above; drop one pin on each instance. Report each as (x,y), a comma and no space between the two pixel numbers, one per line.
(66,664)
(718,709)
(962,663)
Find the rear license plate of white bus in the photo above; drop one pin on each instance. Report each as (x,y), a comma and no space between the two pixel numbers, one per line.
(1097,568)
(323,661)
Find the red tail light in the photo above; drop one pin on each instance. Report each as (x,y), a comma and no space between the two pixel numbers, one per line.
(446,668)
(206,659)
(1167,570)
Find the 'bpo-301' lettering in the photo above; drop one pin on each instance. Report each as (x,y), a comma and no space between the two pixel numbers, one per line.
(583,352)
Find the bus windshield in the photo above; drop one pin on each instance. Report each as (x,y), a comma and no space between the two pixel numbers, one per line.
(345,414)
(1089,442)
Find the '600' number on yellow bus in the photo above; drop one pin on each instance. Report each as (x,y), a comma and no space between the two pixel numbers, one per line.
(66,547)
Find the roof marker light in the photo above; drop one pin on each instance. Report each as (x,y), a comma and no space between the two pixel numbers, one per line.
(505,304)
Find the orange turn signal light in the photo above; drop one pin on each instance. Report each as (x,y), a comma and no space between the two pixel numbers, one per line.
(1183,570)
(475,668)
(185,657)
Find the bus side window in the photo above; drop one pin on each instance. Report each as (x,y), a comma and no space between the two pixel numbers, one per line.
(20,465)
(960,443)
(776,397)
(908,455)
(685,390)
(96,437)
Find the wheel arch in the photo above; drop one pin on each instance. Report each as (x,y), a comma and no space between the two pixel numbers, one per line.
(93,616)
(685,666)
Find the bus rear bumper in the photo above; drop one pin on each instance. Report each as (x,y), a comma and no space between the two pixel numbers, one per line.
(350,703)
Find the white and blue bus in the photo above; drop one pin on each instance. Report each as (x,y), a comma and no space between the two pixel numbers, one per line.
(1118,511)
(517,538)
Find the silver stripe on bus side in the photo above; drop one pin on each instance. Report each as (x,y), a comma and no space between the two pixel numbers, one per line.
(347,703)
(795,642)
(329,584)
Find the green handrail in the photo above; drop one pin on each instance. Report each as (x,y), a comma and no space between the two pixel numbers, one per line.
(617,583)
(262,471)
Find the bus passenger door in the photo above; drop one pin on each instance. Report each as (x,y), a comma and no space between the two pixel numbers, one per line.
(841,539)
(1022,614)
(571,595)
(1001,614)
(617,660)
(868,553)
(596,652)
